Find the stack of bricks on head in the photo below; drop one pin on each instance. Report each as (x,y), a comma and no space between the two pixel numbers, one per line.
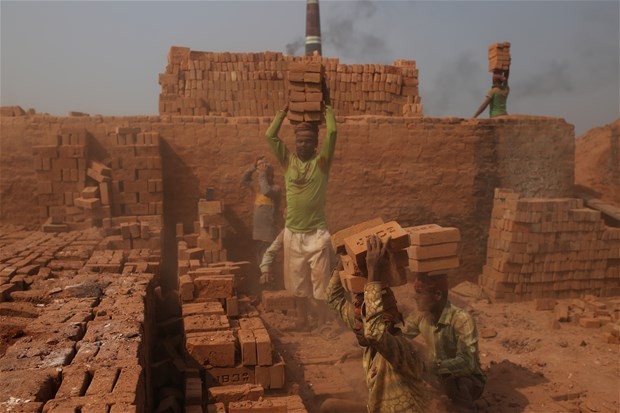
(305,91)
(425,248)
(499,57)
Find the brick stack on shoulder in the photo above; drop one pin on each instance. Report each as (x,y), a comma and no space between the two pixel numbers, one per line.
(549,248)
(257,84)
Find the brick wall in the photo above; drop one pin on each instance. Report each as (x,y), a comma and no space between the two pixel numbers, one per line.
(414,170)
(257,84)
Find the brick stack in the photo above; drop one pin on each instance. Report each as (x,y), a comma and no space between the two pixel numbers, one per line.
(130,232)
(91,337)
(257,84)
(549,248)
(353,241)
(61,176)
(433,248)
(305,91)
(136,187)
(499,57)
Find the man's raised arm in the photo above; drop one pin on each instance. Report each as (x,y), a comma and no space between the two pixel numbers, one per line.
(278,147)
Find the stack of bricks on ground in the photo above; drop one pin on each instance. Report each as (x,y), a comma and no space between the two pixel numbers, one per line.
(257,84)
(81,338)
(589,312)
(549,248)
(77,192)
(305,91)
(499,57)
(424,248)
(223,333)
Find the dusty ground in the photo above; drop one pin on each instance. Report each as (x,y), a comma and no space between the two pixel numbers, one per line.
(531,366)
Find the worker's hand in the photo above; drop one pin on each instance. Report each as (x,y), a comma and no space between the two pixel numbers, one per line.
(266,278)
(375,254)
(258,160)
(262,166)
(285,108)
(325,90)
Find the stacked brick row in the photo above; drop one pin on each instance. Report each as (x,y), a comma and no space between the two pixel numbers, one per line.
(549,248)
(433,248)
(61,178)
(136,187)
(499,57)
(351,244)
(131,232)
(223,334)
(83,337)
(257,84)
(305,91)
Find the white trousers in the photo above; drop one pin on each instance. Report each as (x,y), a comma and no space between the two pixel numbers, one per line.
(306,262)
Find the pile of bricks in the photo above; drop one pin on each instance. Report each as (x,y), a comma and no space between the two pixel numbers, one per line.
(305,91)
(350,243)
(258,84)
(223,334)
(549,248)
(61,179)
(136,185)
(499,57)
(433,248)
(130,232)
(90,331)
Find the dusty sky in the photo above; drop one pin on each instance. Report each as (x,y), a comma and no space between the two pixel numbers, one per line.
(104,57)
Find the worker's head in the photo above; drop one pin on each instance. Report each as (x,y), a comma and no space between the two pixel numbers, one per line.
(431,291)
(498,79)
(306,140)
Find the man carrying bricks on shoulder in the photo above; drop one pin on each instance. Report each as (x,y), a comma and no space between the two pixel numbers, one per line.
(453,362)
(392,364)
(306,238)
(265,205)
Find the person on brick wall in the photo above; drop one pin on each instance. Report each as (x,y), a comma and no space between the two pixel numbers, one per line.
(265,205)
(496,96)
(306,237)
(453,360)
(393,366)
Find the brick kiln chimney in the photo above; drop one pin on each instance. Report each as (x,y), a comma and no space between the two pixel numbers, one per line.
(313,28)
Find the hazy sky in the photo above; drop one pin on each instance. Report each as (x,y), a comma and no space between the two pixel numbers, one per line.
(105,57)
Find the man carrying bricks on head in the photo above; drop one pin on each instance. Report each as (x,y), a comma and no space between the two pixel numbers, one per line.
(392,364)
(306,238)
(265,205)
(496,96)
(453,362)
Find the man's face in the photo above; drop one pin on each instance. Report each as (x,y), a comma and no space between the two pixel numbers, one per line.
(424,299)
(305,143)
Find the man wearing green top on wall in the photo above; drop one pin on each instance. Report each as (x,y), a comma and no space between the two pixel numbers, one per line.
(306,238)
(496,96)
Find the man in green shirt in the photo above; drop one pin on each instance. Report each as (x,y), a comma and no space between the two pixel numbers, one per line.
(453,360)
(496,96)
(306,238)
(392,365)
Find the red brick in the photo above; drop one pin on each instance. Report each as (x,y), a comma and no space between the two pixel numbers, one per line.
(234,393)
(216,348)
(356,244)
(589,322)
(433,234)
(264,351)
(214,286)
(226,376)
(418,252)
(193,391)
(281,300)
(266,406)
(337,239)
(435,264)
(247,343)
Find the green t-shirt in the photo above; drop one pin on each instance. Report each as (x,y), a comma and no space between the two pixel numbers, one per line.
(499,96)
(306,181)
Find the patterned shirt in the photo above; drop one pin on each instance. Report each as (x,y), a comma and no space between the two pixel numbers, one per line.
(391,364)
(306,181)
(453,340)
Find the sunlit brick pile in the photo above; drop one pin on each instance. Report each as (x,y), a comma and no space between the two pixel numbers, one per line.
(256,84)
(549,248)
